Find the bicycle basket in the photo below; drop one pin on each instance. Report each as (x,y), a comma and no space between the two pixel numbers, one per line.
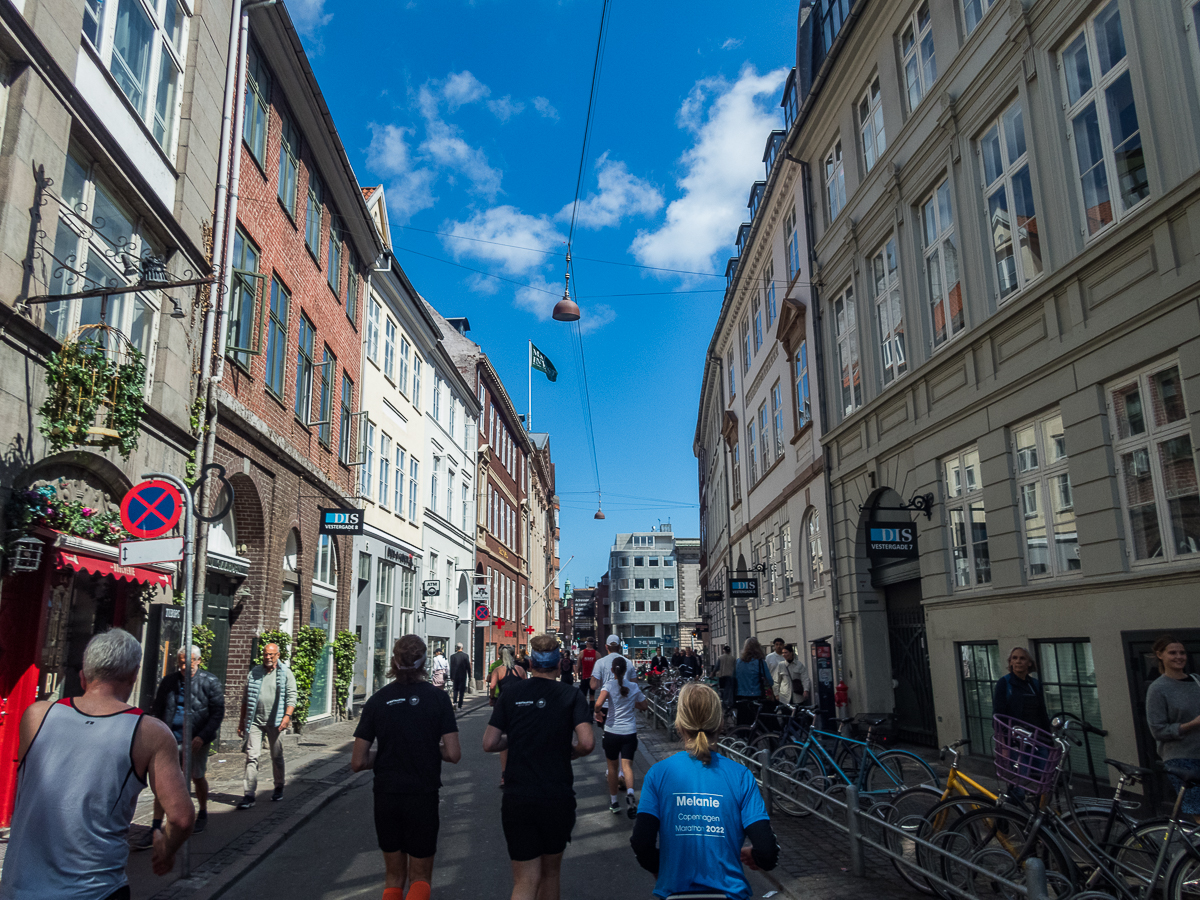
(1026,756)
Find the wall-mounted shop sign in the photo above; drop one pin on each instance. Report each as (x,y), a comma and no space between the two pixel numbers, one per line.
(341,521)
(743,587)
(892,540)
(394,555)
(713,596)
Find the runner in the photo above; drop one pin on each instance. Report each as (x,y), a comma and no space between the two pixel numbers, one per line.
(620,732)
(505,674)
(697,807)
(413,723)
(587,661)
(545,724)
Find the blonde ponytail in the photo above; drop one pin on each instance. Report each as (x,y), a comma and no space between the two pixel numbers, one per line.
(699,749)
(698,717)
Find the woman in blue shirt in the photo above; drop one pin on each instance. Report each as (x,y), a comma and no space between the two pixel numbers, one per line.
(751,678)
(697,808)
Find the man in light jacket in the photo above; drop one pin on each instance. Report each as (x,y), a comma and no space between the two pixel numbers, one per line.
(269,702)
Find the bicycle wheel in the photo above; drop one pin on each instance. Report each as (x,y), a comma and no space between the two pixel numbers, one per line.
(935,826)
(995,840)
(1183,879)
(849,758)
(1138,854)
(894,770)
(769,742)
(1089,828)
(908,811)
(801,766)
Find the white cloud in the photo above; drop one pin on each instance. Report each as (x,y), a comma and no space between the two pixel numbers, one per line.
(461,88)
(545,110)
(409,186)
(444,144)
(506,229)
(593,316)
(731,43)
(621,194)
(539,298)
(308,15)
(730,123)
(481,284)
(504,108)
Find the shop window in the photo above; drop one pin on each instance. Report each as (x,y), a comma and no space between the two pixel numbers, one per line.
(1068,675)
(979,672)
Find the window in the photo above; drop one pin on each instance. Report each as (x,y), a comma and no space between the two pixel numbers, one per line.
(368,467)
(325,399)
(654,604)
(389,348)
(769,291)
(344,441)
(758,325)
(764,441)
(1009,195)
(289,163)
(398,503)
(737,474)
(1047,506)
(413,478)
(643,540)
(639,606)
(304,370)
(402,380)
(449,496)
(973,12)
(732,377)
(791,242)
(777,417)
(816,559)
(437,398)
(351,288)
(669,605)
(451,407)
(624,603)
(1103,120)
(981,669)
(624,585)
(374,313)
(624,561)
(669,583)
(753,445)
(143,43)
(277,337)
(669,561)
(835,180)
(433,484)
(846,326)
(785,555)
(325,561)
(870,124)
(916,46)
(803,397)
(888,305)
(1156,466)
(312,215)
(385,469)
(258,104)
(654,583)
(242,340)
(941,265)
(334,263)
(968,525)
(747,356)
(466,499)
(1068,676)
(416,390)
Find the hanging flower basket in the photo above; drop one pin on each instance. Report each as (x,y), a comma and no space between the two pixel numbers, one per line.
(96,383)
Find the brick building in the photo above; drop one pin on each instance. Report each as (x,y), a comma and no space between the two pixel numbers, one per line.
(289,381)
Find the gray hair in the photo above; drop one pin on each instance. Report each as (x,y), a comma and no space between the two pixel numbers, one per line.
(196,654)
(507,657)
(113,655)
(458,646)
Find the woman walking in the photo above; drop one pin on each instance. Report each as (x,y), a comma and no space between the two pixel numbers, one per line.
(620,732)
(1173,712)
(503,676)
(1019,694)
(698,807)
(752,681)
(566,668)
(414,728)
(791,679)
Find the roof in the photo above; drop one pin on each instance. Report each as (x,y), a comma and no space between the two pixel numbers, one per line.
(369,191)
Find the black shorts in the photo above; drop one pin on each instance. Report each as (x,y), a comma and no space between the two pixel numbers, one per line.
(619,745)
(536,828)
(407,823)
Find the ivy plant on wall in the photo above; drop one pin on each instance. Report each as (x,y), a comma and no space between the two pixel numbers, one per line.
(310,647)
(203,637)
(345,649)
(280,639)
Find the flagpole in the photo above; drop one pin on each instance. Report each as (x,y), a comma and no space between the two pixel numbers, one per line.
(529,418)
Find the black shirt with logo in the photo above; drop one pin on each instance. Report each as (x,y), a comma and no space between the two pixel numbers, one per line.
(539,716)
(408,721)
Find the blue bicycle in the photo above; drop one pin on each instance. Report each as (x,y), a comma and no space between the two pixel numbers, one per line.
(826,760)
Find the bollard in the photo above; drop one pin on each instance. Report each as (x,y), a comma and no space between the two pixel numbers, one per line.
(857,869)
(764,760)
(1035,879)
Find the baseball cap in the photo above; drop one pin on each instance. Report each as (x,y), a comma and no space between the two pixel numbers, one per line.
(613,639)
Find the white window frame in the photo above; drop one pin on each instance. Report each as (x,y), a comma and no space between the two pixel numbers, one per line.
(764,439)
(1144,450)
(974,12)
(835,180)
(389,348)
(729,364)
(777,417)
(803,388)
(941,265)
(814,561)
(398,502)
(918,59)
(964,496)
(414,473)
(871,131)
(385,467)
(845,317)
(374,314)
(791,244)
(368,467)
(769,292)
(889,311)
(752,443)
(1014,169)
(758,324)
(1044,493)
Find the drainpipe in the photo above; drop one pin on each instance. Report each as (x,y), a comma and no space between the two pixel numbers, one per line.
(730,612)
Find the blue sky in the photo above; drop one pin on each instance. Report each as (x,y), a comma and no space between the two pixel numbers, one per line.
(471,114)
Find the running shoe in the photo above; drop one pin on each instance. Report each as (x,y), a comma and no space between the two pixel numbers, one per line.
(614,808)
(247,802)
(277,794)
(201,823)
(630,806)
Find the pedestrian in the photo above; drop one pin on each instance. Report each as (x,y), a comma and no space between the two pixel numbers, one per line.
(600,671)
(267,707)
(792,684)
(1019,694)
(566,668)
(1173,712)
(676,658)
(583,668)
(78,784)
(207,713)
(460,672)
(504,676)
(726,667)
(439,670)
(753,682)
(414,728)
(690,667)
(545,725)
(775,657)
(698,807)
(658,662)
(620,739)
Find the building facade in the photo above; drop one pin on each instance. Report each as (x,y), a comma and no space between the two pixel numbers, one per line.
(543,537)
(1008,314)
(644,592)
(687,583)
(107,178)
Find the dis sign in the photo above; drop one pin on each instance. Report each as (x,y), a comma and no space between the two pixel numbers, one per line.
(892,540)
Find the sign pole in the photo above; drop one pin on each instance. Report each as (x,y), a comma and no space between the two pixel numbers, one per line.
(192,612)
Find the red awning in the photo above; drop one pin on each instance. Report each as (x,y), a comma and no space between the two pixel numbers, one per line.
(82,562)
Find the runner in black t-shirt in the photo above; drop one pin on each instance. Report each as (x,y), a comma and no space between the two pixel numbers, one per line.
(414,725)
(544,724)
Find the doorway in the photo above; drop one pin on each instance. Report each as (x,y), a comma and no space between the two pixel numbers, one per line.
(218,601)
(915,718)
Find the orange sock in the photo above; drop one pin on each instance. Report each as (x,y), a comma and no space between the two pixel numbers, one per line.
(418,890)
(393,894)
